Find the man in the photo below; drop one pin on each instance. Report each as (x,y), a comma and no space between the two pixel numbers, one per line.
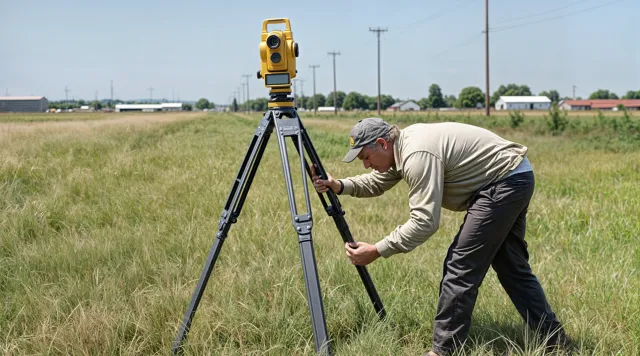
(458,167)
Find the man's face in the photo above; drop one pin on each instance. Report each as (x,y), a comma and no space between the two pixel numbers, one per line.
(379,157)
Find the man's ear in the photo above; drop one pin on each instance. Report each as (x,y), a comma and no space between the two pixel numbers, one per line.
(382,142)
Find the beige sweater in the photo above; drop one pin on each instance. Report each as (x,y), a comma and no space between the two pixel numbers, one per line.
(444,164)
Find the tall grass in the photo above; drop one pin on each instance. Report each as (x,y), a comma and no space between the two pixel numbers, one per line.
(104,231)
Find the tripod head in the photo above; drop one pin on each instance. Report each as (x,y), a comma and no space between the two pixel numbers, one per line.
(278,54)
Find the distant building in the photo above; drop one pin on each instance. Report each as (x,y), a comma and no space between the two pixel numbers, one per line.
(149,107)
(523,103)
(328,109)
(408,105)
(601,104)
(23,104)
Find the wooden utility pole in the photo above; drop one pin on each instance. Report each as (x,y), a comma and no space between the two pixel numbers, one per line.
(486,33)
(313,67)
(378,31)
(335,99)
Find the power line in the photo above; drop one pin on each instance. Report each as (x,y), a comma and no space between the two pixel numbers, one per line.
(335,99)
(505,28)
(433,16)
(462,44)
(541,13)
(378,30)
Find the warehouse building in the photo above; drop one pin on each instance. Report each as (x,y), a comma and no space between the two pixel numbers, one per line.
(149,107)
(23,104)
(601,104)
(408,105)
(523,103)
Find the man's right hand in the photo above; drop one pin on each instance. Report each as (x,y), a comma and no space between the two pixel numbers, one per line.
(322,185)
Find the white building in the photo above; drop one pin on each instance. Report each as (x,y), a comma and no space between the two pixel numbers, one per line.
(23,104)
(404,106)
(149,107)
(523,103)
(328,109)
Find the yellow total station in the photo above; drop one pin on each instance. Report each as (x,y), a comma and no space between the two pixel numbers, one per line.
(278,54)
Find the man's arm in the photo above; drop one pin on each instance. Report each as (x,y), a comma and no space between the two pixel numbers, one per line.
(424,174)
(371,184)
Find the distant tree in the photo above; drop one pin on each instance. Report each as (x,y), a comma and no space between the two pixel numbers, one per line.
(234,105)
(602,94)
(632,95)
(355,100)
(340,95)
(96,104)
(202,104)
(187,107)
(510,90)
(450,101)
(424,103)
(553,95)
(385,101)
(81,103)
(470,97)
(319,98)
(435,97)
(259,104)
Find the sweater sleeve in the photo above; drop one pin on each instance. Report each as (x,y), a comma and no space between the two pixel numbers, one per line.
(371,184)
(424,174)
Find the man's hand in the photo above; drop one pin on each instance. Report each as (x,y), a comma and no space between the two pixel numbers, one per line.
(321,185)
(361,253)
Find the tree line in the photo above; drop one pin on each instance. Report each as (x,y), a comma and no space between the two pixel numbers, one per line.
(469,97)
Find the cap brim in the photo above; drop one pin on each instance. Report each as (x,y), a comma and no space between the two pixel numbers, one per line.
(352,154)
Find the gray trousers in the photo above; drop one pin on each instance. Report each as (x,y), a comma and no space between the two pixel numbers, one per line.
(492,234)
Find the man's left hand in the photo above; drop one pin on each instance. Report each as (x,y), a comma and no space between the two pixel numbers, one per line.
(361,255)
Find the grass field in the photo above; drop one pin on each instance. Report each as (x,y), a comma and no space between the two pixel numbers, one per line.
(105,225)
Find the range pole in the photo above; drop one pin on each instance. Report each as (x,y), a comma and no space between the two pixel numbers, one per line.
(335,99)
(486,34)
(378,31)
(248,98)
(313,67)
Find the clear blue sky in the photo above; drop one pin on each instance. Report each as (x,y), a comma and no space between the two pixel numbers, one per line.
(195,49)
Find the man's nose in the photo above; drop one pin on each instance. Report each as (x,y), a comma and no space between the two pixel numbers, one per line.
(366,164)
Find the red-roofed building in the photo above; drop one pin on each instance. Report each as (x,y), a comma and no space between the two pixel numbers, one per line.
(602,104)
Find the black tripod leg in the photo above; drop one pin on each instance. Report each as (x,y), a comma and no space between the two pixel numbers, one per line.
(335,211)
(230,214)
(303,224)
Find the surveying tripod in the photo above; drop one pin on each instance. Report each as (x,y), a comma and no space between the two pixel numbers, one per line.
(283,117)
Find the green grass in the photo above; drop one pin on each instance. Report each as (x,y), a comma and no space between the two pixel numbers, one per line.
(104,233)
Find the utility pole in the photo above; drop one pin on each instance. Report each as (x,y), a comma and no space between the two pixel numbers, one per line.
(335,100)
(486,33)
(378,31)
(6,92)
(150,94)
(66,96)
(313,67)
(302,91)
(574,92)
(96,97)
(111,102)
(244,100)
(248,97)
(295,93)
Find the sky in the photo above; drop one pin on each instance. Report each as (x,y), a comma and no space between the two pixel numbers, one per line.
(191,49)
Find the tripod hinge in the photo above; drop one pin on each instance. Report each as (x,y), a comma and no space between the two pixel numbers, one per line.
(303,224)
(289,128)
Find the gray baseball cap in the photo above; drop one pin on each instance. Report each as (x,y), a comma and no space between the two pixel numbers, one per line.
(366,131)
